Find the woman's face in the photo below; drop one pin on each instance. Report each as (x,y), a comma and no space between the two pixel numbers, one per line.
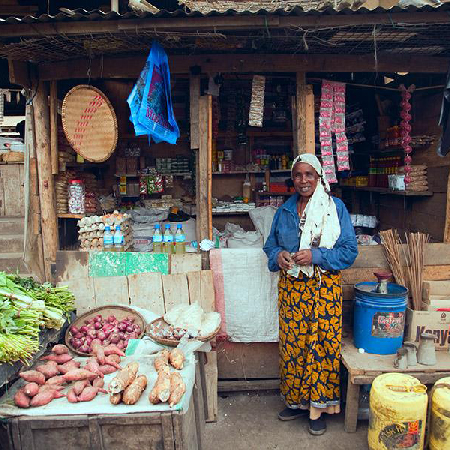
(305,179)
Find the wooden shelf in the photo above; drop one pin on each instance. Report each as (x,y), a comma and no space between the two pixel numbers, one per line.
(386,191)
(231,213)
(86,165)
(70,216)
(276,193)
(177,174)
(255,133)
(256,172)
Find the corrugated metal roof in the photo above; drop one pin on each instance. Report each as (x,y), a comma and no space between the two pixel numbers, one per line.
(97,15)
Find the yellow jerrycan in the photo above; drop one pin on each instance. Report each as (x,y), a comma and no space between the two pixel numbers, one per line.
(439,429)
(398,413)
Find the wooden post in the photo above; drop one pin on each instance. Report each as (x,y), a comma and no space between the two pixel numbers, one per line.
(447,215)
(49,220)
(194,96)
(305,123)
(54,126)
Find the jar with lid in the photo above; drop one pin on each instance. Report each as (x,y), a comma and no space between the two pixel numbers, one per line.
(76,197)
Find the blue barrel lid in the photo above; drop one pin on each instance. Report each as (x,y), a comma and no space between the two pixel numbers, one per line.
(368,288)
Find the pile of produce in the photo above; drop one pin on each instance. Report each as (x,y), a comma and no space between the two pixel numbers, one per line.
(107,331)
(25,308)
(46,382)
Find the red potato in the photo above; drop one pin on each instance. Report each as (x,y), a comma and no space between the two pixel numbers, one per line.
(93,366)
(107,369)
(79,374)
(49,370)
(57,380)
(79,386)
(98,382)
(60,359)
(66,367)
(113,350)
(21,400)
(98,351)
(60,349)
(45,397)
(33,376)
(71,396)
(31,389)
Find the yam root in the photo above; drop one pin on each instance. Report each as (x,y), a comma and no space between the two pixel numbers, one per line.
(68,366)
(60,359)
(161,389)
(161,360)
(79,374)
(71,396)
(124,378)
(134,391)
(21,400)
(98,351)
(48,370)
(177,388)
(176,358)
(107,369)
(33,376)
(115,399)
(113,350)
(79,386)
(153,397)
(31,389)
(57,380)
(60,349)
(98,382)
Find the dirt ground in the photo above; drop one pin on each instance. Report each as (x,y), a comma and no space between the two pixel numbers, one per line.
(249,422)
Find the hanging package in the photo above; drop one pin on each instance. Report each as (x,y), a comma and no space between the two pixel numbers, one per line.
(150,100)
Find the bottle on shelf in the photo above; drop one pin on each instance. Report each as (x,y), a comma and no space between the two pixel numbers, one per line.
(157,239)
(246,190)
(118,240)
(108,240)
(168,239)
(180,240)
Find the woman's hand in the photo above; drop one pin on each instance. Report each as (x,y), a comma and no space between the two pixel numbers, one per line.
(284,260)
(303,257)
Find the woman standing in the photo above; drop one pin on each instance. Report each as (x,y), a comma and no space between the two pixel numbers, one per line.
(311,240)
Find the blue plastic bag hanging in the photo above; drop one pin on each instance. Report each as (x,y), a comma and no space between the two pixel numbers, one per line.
(150,100)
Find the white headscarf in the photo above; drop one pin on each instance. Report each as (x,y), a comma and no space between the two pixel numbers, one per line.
(322,221)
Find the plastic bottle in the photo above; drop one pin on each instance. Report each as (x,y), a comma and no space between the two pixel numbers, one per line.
(180,240)
(118,240)
(108,239)
(157,239)
(246,190)
(168,239)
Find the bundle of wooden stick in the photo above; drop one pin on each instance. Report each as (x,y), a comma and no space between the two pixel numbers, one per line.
(392,247)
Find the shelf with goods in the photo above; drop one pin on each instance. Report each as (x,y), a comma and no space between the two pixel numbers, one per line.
(386,191)
(250,172)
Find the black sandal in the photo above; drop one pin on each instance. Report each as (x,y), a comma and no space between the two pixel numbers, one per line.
(291,414)
(318,426)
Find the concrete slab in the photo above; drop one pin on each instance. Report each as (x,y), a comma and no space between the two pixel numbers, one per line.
(249,422)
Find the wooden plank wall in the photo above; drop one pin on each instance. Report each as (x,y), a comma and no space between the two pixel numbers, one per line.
(12,203)
(260,360)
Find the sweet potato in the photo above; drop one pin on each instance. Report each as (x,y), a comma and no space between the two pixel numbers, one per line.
(176,358)
(57,380)
(66,367)
(177,388)
(49,370)
(98,351)
(60,359)
(113,350)
(78,386)
(161,389)
(45,397)
(98,382)
(134,391)
(31,389)
(93,366)
(71,396)
(88,394)
(107,369)
(21,400)
(79,374)
(124,378)
(113,360)
(51,387)
(115,399)
(33,376)
(60,349)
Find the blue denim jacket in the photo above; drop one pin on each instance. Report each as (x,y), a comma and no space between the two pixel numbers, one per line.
(284,235)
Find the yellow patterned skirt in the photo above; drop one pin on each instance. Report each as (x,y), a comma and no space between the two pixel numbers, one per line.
(310,315)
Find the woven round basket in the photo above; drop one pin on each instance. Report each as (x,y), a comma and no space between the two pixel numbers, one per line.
(172,342)
(89,123)
(119,311)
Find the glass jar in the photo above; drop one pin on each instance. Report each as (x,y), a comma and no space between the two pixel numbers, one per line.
(76,197)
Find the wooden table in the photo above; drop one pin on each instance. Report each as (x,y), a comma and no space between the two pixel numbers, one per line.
(364,368)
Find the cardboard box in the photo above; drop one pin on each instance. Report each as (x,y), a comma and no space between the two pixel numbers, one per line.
(435,322)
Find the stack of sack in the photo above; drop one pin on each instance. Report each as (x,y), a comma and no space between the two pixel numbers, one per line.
(418,175)
(61,188)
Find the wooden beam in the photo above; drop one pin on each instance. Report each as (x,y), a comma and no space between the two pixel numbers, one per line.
(218,23)
(54,127)
(310,126)
(301,114)
(19,73)
(46,186)
(194,95)
(447,215)
(131,66)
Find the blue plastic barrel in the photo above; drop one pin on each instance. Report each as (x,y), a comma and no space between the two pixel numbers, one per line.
(379,319)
